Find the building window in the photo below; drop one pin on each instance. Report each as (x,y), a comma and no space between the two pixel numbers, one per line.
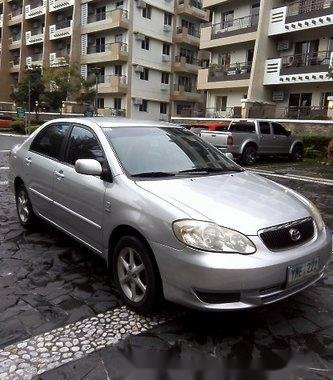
(144,106)
(166,49)
(163,108)
(146,12)
(165,78)
(167,19)
(324,99)
(101,13)
(145,43)
(227,19)
(100,102)
(118,70)
(221,103)
(144,75)
(120,4)
(117,103)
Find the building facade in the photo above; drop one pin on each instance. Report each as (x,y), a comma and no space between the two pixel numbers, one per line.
(145,54)
(268,58)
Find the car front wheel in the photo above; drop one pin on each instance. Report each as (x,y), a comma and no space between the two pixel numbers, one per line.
(297,153)
(24,209)
(249,156)
(136,275)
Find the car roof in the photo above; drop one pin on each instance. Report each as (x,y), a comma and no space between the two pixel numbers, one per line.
(116,122)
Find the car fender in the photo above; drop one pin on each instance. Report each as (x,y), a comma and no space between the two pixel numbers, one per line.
(297,141)
(246,142)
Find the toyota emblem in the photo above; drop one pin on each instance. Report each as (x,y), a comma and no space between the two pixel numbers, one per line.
(294,234)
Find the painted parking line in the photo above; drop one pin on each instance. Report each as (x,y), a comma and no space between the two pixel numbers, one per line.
(5,151)
(4,167)
(31,357)
(295,177)
(4,183)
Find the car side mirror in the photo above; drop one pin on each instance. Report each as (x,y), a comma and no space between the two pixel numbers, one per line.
(288,133)
(88,167)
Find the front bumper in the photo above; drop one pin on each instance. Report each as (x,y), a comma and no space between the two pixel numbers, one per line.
(237,281)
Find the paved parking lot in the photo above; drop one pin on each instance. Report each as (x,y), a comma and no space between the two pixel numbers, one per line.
(58,305)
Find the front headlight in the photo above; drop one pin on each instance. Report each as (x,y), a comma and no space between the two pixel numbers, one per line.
(208,236)
(316,216)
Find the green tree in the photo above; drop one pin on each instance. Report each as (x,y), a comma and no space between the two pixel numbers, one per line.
(88,90)
(32,77)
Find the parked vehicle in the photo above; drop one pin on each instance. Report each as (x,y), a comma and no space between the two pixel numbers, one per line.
(5,121)
(169,213)
(207,126)
(249,139)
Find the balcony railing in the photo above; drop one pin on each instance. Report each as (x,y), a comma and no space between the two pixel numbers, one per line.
(15,61)
(307,6)
(227,112)
(16,12)
(303,63)
(15,38)
(103,48)
(35,4)
(118,112)
(95,17)
(63,24)
(191,88)
(190,30)
(238,25)
(193,3)
(188,59)
(309,112)
(36,57)
(108,78)
(233,71)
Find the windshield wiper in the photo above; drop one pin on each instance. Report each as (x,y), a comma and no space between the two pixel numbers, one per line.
(209,170)
(154,174)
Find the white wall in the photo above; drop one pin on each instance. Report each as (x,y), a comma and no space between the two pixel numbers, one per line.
(150,89)
(152,114)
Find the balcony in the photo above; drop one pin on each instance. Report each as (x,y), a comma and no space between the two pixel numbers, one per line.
(34,37)
(35,8)
(214,3)
(112,84)
(189,36)
(235,75)
(59,58)
(224,33)
(116,18)
(186,93)
(113,52)
(35,59)
(14,41)
(186,64)
(300,15)
(301,68)
(55,5)
(61,30)
(15,16)
(14,65)
(192,8)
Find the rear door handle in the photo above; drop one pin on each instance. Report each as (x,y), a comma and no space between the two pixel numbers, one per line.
(59,174)
(27,161)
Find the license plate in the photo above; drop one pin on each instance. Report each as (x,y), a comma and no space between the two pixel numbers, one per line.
(298,272)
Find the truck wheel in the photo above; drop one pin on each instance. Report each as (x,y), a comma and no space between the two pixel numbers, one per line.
(249,156)
(297,153)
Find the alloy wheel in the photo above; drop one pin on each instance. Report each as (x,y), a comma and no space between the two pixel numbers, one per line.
(132,274)
(22,206)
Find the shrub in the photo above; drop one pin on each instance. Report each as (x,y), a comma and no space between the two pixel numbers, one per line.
(316,146)
(18,126)
(32,128)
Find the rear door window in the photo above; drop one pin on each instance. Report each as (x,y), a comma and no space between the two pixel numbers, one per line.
(49,140)
(265,128)
(279,129)
(242,126)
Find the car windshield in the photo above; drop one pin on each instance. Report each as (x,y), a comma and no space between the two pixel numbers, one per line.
(165,151)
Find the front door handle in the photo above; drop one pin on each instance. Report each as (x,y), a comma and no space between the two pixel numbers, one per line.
(59,174)
(27,161)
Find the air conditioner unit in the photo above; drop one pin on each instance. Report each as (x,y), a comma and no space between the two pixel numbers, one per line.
(141,4)
(139,69)
(139,36)
(167,28)
(165,58)
(137,101)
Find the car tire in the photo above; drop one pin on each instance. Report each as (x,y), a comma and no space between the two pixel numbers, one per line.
(249,156)
(297,153)
(25,213)
(136,274)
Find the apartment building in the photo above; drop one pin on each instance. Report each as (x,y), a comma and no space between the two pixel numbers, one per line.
(268,58)
(145,54)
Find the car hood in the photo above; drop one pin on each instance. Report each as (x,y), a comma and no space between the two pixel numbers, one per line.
(242,201)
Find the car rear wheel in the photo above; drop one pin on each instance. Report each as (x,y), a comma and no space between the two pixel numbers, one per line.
(25,213)
(297,153)
(136,275)
(249,156)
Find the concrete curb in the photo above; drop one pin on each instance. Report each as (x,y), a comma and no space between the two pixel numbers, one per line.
(13,135)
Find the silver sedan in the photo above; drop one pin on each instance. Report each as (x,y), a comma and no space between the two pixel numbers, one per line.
(170,214)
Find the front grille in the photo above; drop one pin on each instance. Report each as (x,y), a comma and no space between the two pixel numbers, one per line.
(280,237)
(218,298)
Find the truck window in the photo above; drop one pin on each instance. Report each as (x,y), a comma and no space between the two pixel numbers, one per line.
(265,128)
(242,126)
(279,129)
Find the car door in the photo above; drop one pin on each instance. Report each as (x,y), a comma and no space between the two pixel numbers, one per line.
(40,163)
(282,138)
(266,145)
(78,198)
